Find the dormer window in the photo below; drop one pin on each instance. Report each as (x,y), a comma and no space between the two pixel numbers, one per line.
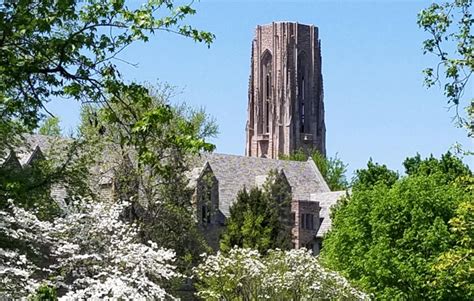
(205,214)
(206,204)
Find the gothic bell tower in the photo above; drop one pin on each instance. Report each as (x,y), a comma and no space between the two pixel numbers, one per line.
(285,105)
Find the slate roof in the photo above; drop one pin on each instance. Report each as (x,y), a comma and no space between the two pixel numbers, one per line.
(35,145)
(235,172)
(326,201)
(32,148)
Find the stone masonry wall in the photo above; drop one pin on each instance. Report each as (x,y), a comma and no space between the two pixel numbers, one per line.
(303,237)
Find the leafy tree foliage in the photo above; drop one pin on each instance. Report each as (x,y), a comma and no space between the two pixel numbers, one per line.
(50,127)
(453,267)
(452,41)
(375,174)
(68,49)
(260,219)
(149,145)
(332,169)
(397,236)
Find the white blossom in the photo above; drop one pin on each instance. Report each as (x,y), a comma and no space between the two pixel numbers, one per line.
(279,275)
(90,253)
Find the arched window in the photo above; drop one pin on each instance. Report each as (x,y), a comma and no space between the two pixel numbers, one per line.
(267,90)
(302,95)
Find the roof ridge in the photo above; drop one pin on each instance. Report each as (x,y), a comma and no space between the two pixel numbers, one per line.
(255,158)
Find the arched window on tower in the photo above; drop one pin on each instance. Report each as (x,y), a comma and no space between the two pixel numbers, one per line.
(267,90)
(302,90)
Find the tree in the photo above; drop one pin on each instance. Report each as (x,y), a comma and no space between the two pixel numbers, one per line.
(150,145)
(260,219)
(50,127)
(389,235)
(89,253)
(68,49)
(453,267)
(449,25)
(332,169)
(376,174)
(245,274)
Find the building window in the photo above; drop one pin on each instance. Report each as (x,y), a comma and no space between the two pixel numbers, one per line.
(302,118)
(205,214)
(293,218)
(267,117)
(266,85)
(206,202)
(307,221)
(268,82)
(302,100)
(268,95)
(302,89)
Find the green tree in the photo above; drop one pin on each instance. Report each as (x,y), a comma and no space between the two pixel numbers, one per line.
(454,267)
(332,169)
(68,49)
(50,127)
(390,234)
(150,145)
(375,174)
(260,218)
(451,40)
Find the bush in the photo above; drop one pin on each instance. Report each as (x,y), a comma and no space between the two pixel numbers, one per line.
(244,274)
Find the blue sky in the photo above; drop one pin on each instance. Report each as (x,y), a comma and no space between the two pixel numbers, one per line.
(376,105)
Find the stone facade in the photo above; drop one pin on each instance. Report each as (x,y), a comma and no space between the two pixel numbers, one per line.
(218,178)
(206,204)
(306,223)
(285,105)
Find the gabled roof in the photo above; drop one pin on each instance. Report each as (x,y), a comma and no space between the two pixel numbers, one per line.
(33,148)
(326,201)
(10,161)
(236,172)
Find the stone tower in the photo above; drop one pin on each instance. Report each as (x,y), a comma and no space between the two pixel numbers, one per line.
(285,106)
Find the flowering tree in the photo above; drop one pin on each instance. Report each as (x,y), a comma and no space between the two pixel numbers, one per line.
(244,274)
(88,253)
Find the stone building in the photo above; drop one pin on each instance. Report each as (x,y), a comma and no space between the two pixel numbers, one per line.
(285,113)
(285,98)
(217,179)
